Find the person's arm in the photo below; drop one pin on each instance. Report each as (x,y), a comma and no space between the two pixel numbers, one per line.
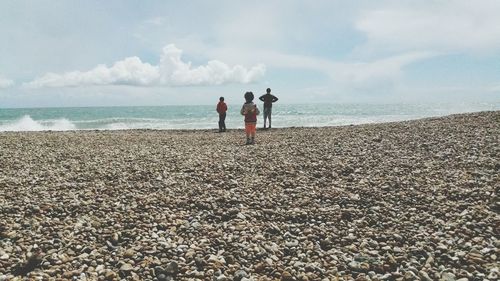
(257,112)
(224,108)
(261,98)
(242,111)
(275,99)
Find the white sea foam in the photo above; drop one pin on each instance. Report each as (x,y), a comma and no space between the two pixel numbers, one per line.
(116,126)
(26,123)
(204,117)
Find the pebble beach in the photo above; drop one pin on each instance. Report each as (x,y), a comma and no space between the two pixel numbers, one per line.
(412,200)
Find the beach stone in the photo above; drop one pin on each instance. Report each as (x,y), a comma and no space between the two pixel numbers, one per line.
(99,268)
(222,277)
(115,238)
(424,276)
(354,265)
(426,212)
(409,275)
(110,275)
(303,277)
(199,262)
(361,277)
(164,277)
(70,274)
(239,275)
(172,268)
(493,275)
(129,253)
(287,276)
(448,276)
(159,270)
(126,267)
(260,267)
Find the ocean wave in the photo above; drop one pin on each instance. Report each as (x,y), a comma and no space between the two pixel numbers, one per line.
(26,123)
(203,117)
(111,120)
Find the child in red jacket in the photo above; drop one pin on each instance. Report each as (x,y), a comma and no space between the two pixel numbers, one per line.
(250,111)
(221,109)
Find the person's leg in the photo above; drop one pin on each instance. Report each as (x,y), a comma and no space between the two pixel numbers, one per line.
(224,122)
(265,117)
(220,123)
(248,132)
(254,129)
(269,113)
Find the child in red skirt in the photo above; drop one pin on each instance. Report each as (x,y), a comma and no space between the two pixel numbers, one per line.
(250,111)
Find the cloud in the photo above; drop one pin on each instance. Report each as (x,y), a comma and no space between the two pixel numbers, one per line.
(130,71)
(385,69)
(348,72)
(171,71)
(456,25)
(174,71)
(5,83)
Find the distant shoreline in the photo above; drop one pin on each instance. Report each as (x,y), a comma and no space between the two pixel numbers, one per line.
(241,128)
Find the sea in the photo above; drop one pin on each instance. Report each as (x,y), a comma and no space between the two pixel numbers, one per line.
(205,117)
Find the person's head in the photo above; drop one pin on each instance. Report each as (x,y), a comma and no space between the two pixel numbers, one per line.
(268,90)
(249,96)
(221,99)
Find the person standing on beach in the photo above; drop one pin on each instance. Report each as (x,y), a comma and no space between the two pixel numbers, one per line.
(221,109)
(268,100)
(250,111)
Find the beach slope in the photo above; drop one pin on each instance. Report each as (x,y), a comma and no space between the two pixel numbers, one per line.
(415,200)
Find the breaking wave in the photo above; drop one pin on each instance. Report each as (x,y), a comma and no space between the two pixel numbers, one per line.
(26,123)
(205,117)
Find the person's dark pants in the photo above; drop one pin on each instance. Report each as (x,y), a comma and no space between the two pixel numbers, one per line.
(222,122)
(267,115)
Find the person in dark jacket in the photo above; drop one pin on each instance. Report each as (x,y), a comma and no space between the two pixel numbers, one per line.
(268,100)
(221,109)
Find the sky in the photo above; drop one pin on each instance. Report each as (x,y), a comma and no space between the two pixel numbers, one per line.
(120,53)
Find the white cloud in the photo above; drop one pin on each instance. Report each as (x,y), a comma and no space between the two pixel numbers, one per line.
(5,83)
(455,25)
(130,71)
(385,69)
(174,71)
(353,72)
(171,71)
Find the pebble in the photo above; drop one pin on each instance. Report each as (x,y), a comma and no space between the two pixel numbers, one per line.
(239,275)
(126,267)
(129,253)
(397,201)
(172,269)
